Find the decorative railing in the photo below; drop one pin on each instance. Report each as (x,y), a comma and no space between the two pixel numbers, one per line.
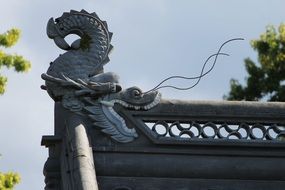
(217,130)
(216,121)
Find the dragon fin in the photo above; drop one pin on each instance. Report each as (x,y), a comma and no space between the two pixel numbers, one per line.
(110,35)
(110,123)
(73,11)
(83,11)
(110,48)
(105,24)
(94,14)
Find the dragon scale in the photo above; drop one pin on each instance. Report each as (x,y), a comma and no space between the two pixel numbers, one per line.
(86,56)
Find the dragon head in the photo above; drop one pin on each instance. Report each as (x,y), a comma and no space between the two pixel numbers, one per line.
(81,23)
(103,115)
(57,32)
(134,98)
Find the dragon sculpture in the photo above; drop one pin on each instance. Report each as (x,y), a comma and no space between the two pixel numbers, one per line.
(77,79)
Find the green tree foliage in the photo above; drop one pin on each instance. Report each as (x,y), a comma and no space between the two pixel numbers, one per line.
(265,80)
(15,61)
(8,39)
(8,180)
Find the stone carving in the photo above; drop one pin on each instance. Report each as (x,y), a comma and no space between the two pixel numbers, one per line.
(217,130)
(77,78)
(104,116)
(83,60)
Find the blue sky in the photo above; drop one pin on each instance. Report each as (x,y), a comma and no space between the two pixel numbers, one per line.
(153,39)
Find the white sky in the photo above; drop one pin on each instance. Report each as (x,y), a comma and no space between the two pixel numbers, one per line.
(153,39)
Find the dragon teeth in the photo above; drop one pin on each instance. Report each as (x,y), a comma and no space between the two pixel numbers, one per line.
(146,107)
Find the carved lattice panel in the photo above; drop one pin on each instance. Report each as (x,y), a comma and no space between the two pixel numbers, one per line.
(213,130)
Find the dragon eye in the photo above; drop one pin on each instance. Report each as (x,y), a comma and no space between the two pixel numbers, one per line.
(136,93)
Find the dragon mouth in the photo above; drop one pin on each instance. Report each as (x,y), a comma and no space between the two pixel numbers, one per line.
(54,33)
(134,106)
(138,107)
